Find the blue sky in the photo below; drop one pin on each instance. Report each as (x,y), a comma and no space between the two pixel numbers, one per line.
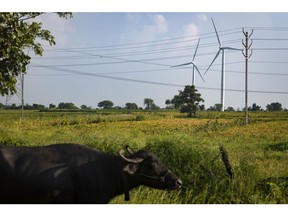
(134,52)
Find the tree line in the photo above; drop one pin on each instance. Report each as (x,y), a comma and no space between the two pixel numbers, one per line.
(173,104)
(105,104)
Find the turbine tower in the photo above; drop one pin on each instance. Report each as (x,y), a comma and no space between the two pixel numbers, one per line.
(222,50)
(194,65)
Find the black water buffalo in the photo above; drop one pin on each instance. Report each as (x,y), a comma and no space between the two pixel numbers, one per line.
(73,173)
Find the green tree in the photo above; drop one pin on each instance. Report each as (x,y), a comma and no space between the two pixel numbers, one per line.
(85,107)
(176,101)
(131,106)
(230,109)
(188,100)
(106,104)
(218,107)
(276,106)
(2,106)
(38,106)
(19,32)
(254,107)
(202,107)
(68,105)
(169,104)
(52,106)
(149,103)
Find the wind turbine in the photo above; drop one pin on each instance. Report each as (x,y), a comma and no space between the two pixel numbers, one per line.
(221,49)
(194,65)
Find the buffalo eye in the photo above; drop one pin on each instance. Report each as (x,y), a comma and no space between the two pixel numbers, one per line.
(151,160)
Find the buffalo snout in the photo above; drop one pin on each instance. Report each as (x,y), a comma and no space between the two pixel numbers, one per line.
(173,183)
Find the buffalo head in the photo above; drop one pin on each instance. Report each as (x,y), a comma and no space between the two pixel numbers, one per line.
(144,168)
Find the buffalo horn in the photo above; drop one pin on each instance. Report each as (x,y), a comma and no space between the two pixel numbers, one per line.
(128,149)
(130,160)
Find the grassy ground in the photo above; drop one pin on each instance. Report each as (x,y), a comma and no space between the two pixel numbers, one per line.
(189,147)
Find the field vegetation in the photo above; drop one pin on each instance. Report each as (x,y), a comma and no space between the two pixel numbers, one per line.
(258,152)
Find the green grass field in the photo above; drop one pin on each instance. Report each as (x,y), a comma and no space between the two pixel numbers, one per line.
(258,152)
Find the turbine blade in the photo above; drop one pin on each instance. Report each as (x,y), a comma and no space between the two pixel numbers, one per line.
(213,61)
(198,72)
(196,49)
(182,64)
(216,32)
(231,48)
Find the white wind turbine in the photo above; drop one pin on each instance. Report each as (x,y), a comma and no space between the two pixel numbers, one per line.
(194,65)
(221,48)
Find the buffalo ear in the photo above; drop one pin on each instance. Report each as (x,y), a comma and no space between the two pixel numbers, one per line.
(131,169)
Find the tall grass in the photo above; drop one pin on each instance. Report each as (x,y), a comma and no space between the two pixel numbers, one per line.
(189,147)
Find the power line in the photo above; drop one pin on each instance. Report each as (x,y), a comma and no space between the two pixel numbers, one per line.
(157,51)
(168,69)
(267,28)
(155,83)
(146,61)
(145,52)
(270,62)
(270,39)
(128,45)
(272,49)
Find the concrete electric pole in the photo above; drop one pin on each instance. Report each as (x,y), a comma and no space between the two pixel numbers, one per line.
(246,56)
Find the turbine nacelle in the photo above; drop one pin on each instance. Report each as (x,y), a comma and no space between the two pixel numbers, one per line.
(193,63)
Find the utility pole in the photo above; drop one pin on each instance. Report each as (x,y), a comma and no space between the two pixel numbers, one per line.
(246,56)
(19,93)
(22,95)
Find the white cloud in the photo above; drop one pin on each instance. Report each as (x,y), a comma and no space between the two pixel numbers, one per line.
(202,17)
(190,30)
(145,27)
(60,28)
(160,23)
(157,26)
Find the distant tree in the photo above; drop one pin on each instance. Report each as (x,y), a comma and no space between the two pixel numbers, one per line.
(230,109)
(106,104)
(148,102)
(2,106)
(212,108)
(131,106)
(150,105)
(18,33)
(14,106)
(154,107)
(169,104)
(218,107)
(68,105)
(188,100)
(28,107)
(276,106)
(176,101)
(84,107)
(254,107)
(52,106)
(38,106)
(202,107)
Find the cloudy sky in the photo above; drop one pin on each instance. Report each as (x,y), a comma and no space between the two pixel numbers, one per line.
(126,57)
